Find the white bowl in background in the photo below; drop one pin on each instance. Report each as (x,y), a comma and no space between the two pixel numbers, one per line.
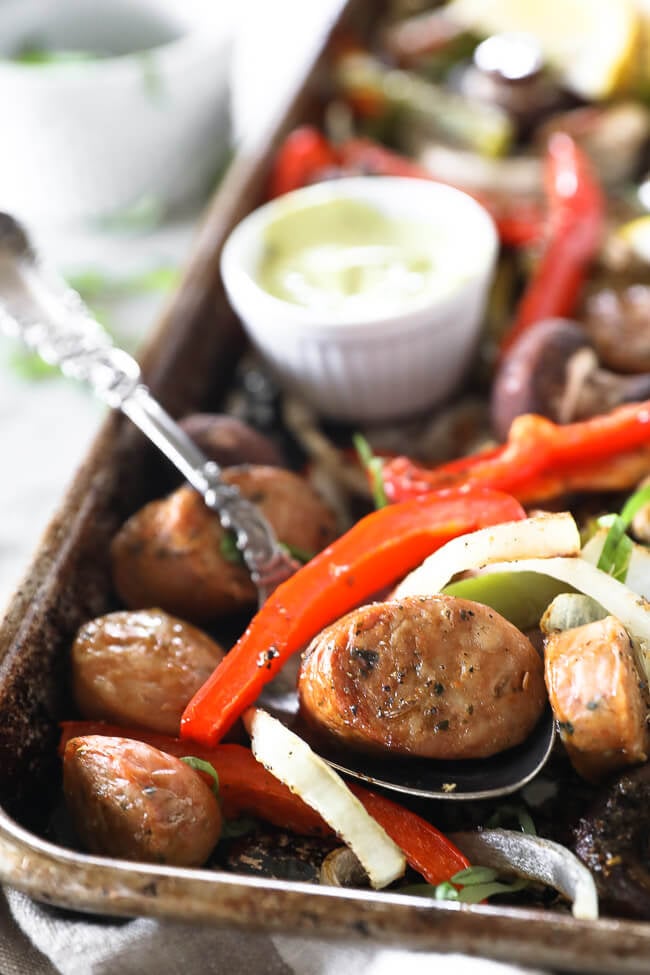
(145,120)
(371,364)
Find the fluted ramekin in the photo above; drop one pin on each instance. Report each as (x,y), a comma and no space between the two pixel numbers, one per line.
(371,367)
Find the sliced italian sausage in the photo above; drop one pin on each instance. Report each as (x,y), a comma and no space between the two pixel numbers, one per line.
(436,676)
(129,800)
(140,667)
(597,697)
(174,553)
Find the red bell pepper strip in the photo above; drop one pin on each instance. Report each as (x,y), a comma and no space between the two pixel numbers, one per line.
(376,552)
(518,223)
(246,788)
(427,849)
(302,158)
(306,157)
(576,221)
(541,459)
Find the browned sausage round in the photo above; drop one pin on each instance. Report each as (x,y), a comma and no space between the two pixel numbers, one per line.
(129,800)
(172,553)
(140,668)
(434,676)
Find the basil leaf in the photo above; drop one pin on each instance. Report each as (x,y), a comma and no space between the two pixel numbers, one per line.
(200,765)
(509,812)
(233,828)
(476,893)
(474,875)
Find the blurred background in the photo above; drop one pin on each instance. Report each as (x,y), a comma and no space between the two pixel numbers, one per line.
(111,162)
(119,120)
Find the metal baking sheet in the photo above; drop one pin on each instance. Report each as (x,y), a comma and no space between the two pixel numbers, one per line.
(188,366)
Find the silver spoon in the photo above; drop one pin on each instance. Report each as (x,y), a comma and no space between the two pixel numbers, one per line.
(485,778)
(37,306)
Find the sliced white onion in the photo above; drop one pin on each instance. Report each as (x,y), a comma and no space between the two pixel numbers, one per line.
(291,760)
(631,609)
(536,859)
(638,570)
(544,536)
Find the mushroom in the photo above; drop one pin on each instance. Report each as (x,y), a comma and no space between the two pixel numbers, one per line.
(553,370)
(342,868)
(508,69)
(229,441)
(617,321)
(612,841)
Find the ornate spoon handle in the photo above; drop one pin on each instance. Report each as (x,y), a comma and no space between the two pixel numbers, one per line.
(38,307)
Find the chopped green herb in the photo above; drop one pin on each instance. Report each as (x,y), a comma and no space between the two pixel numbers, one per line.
(617,550)
(468,886)
(229,550)
(200,765)
(474,875)
(509,813)
(300,554)
(232,828)
(373,466)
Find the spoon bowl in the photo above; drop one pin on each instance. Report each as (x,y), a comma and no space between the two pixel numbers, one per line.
(484,778)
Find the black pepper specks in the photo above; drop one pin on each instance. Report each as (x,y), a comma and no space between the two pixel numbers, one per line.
(266,656)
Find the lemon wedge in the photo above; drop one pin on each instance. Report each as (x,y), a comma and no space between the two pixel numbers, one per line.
(593,44)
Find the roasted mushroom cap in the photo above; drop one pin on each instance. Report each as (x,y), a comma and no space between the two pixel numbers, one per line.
(532,376)
(612,840)
(228,440)
(553,370)
(617,321)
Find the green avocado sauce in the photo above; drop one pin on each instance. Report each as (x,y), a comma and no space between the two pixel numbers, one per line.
(340,254)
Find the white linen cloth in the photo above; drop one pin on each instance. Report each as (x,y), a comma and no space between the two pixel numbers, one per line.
(37,940)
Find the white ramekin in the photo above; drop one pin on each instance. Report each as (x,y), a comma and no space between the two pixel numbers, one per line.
(376,367)
(96,138)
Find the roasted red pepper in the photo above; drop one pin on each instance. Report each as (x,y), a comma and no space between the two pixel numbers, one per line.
(518,223)
(302,158)
(374,553)
(307,157)
(426,849)
(246,788)
(575,228)
(541,459)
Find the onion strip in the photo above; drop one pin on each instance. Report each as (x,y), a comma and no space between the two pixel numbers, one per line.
(629,608)
(534,858)
(291,760)
(544,536)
